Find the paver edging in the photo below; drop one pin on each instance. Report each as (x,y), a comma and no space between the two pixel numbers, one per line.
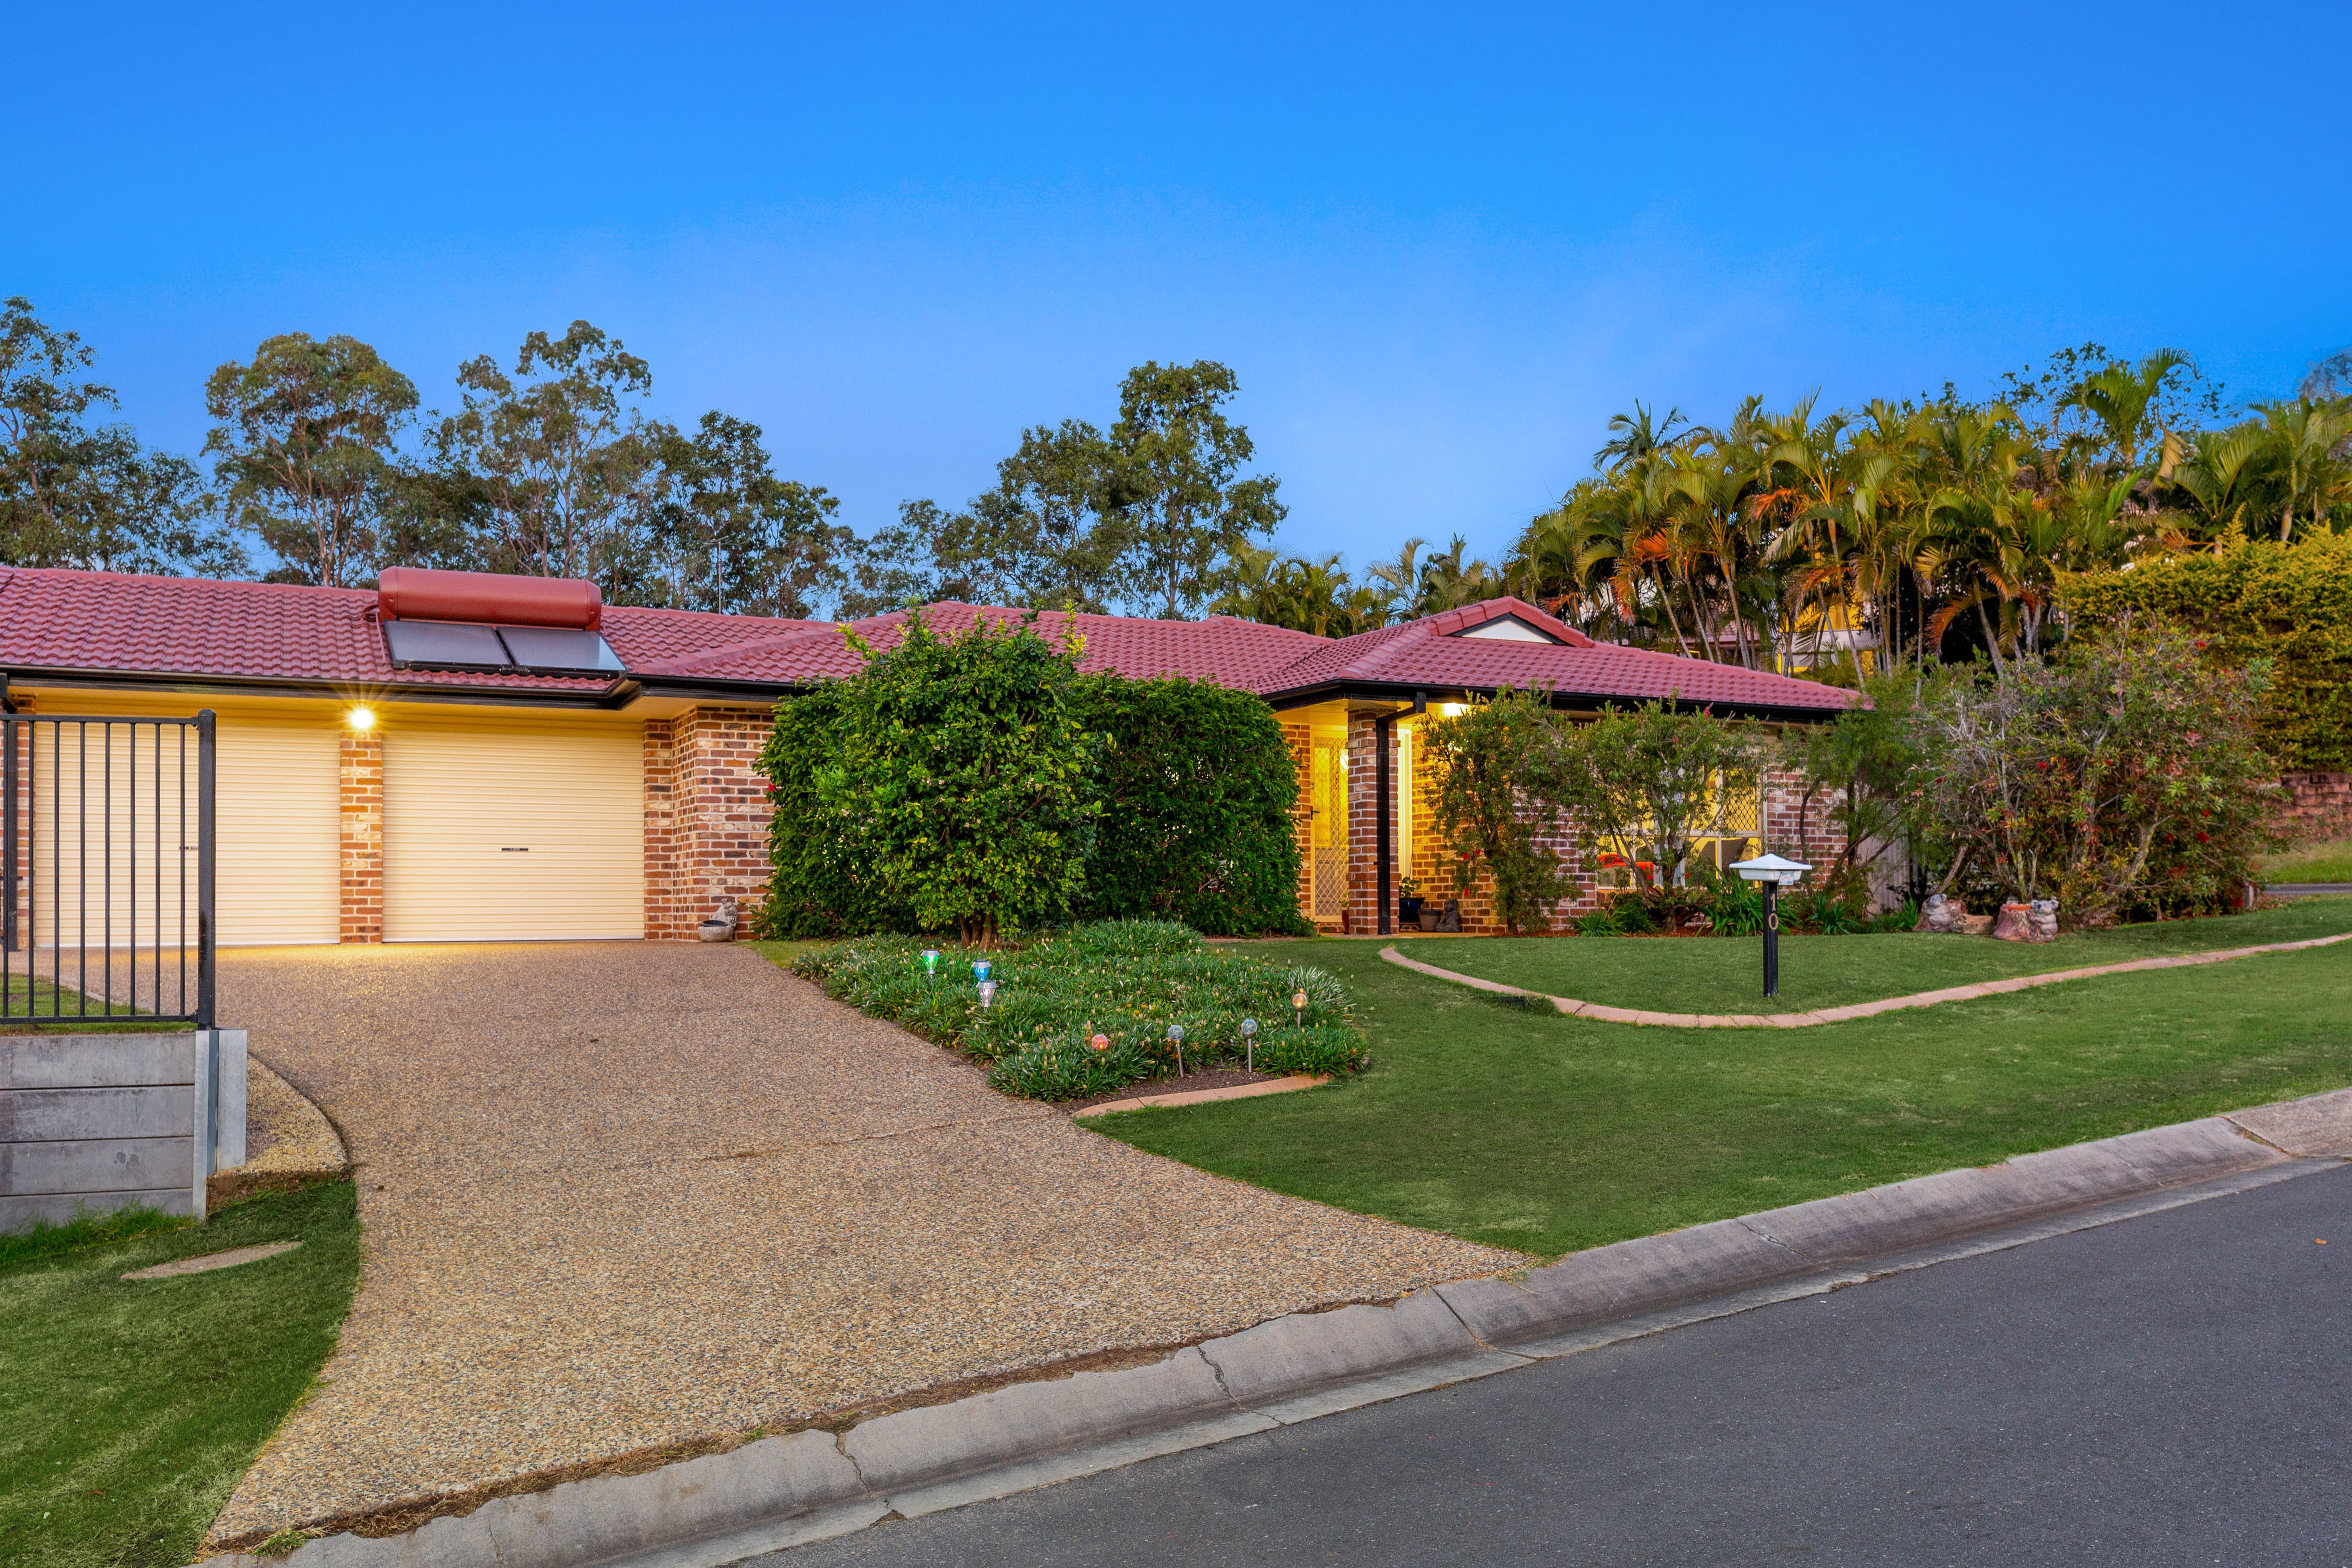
(1607,1014)
(780,1491)
(1203,1096)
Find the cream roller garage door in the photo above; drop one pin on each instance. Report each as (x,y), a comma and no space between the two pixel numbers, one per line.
(277,822)
(512,830)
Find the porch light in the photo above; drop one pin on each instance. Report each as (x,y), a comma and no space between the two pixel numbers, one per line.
(1771,874)
(1449,709)
(361,718)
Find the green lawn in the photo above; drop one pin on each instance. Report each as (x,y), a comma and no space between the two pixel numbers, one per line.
(1725,975)
(2329,862)
(129,1410)
(1520,1127)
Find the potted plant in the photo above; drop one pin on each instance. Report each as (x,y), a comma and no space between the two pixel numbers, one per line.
(1409,901)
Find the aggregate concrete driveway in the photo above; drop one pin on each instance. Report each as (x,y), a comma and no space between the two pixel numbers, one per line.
(623,1195)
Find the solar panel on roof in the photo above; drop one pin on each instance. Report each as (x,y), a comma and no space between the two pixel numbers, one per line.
(559,650)
(444,645)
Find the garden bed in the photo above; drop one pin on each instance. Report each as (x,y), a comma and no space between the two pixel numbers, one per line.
(1125,981)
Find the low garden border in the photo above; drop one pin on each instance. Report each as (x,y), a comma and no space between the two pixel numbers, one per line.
(1594,1010)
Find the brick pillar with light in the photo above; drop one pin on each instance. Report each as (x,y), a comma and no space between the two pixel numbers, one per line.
(361,783)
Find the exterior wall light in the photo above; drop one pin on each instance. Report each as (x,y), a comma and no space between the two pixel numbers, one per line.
(361,718)
(1449,709)
(1770,873)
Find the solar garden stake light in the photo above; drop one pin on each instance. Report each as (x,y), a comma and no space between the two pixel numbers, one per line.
(1100,1042)
(1771,874)
(1176,1038)
(932,963)
(1298,1009)
(1249,1044)
(987,993)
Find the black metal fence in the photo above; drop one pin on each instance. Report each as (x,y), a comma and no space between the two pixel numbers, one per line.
(106,852)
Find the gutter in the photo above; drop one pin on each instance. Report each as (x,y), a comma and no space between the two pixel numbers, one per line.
(261,686)
(1407,691)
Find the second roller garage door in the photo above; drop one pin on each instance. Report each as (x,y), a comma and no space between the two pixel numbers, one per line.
(510,833)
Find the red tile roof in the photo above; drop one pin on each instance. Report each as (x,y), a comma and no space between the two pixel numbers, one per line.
(64,621)
(99,621)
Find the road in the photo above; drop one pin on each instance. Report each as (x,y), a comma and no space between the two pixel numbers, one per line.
(2172,1389)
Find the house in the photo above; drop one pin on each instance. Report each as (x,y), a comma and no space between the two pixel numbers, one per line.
(460,756)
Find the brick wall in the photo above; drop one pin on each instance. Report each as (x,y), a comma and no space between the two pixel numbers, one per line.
(707,830)
(361,782)
(1434,861)
(2319,806)
(1793,829)
(1364,823)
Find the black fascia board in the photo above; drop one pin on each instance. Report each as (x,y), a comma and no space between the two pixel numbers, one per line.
(1406,691)
(262,686)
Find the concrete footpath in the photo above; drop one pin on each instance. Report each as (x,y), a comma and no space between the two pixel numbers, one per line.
(787,1490)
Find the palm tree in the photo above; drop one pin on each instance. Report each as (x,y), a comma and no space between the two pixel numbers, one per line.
(1634,437)
(2303,436)
(2218,469)
(2120,398)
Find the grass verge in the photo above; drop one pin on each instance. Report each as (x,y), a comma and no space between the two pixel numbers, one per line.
(1725,975)
(129,1409)
(2328,862)
(1525,1129)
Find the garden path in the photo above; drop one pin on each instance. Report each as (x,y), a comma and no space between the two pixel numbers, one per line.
(1570,1005)
(623,1195)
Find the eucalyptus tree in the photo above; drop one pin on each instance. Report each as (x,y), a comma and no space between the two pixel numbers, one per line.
(305,451)
(1176,462)
(567,463)
(736,539)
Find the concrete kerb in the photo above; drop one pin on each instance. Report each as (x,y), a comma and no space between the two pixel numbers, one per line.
(1577,1009)
(781,1491)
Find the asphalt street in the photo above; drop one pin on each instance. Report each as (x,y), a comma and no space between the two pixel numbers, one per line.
(2172,1389)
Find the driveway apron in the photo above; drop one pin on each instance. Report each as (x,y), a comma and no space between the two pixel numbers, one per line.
(619,1196)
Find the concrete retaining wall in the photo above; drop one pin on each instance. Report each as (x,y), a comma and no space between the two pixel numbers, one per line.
(96,1122)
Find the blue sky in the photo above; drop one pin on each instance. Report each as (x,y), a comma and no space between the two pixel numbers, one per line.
(1440,246)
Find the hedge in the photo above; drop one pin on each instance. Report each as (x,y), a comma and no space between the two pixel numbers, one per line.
(2255,599)
(1198,790)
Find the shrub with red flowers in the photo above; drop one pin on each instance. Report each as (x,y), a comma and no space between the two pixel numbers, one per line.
(2125,778)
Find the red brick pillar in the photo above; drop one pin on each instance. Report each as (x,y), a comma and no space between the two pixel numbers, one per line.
(720,813)
(362,774)
(1364,824)
(664,914)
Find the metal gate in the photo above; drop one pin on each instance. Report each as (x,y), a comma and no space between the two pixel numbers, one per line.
(105,854)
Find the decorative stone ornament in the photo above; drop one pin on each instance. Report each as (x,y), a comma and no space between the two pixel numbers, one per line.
(2010,924)
(2042,924)
(720,926)
(1943,915)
